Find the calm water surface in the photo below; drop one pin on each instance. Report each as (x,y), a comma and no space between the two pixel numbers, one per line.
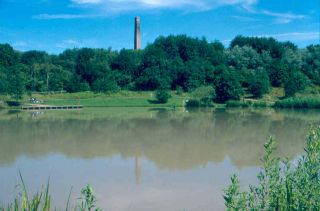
(143,159)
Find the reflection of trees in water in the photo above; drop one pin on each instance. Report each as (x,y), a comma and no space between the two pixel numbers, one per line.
(169,139)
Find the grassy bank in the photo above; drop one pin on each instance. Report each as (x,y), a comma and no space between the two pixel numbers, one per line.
(248,103)
(302,102)
(147,99)
(120,99)
(90,99)
(299,102)
(310,99)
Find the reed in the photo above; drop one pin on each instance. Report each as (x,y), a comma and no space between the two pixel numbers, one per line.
(246,104)
(41,201)
(299,102)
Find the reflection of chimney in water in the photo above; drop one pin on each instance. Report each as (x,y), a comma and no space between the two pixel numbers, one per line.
(137,37)
(138,170)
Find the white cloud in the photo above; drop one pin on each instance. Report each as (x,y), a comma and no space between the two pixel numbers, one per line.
(245,18)
(116,6)
(279,18)
(87,1)
(125,5)
(62,16)
(68,43)
(110,7)
(283,18)
(20,44)
(74,43)
(294,36)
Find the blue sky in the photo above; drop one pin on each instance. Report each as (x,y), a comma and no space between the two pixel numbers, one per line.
(54,25)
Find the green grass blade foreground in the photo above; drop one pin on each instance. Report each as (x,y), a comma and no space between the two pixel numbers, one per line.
(41,201)
(282,185)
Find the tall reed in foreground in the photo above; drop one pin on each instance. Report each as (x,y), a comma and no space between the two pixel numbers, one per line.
(282,185)
(41,201)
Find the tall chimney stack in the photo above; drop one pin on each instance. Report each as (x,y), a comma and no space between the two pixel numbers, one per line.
(137,39)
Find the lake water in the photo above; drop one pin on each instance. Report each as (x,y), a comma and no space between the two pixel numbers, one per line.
(143,159)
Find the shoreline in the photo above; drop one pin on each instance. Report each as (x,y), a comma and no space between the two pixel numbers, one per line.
(146,99)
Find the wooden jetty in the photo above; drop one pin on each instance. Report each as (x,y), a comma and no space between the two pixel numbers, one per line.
(51,107)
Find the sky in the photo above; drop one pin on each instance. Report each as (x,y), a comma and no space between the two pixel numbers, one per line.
(55,25)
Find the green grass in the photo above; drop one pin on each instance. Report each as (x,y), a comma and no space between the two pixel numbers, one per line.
(308,99)
(247,103)
(120,99)
(299,102)
(41,201)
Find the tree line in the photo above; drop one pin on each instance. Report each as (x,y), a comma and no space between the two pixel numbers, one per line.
(178,62)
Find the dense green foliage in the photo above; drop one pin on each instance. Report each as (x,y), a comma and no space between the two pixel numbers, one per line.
(282,185)
(173,62)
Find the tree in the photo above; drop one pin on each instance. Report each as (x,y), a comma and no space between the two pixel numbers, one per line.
(162,95)
(261,44)
(227,85)
(311,63)
(38,70)
(126,67)
(243,58)
(34,57)
(198,72)
(8,56)
(259,84)
(3,81)
(67,59)
(153,71)
(105,84)
(278,73)
(16,81)
(298,81)
(59,78)
(76,84)
(167,63)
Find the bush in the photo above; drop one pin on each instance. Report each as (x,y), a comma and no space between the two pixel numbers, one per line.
(193,103)
(245,104)
(204,94)
(2,104)
(312,90)
(237,104)
(179,90)
(297,82)
(13,103)
(162,95)
(282,186)
(260,84)
(228,86)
